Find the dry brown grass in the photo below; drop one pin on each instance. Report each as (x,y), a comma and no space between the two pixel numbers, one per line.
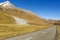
(14,30)
(6,18)
(58,29)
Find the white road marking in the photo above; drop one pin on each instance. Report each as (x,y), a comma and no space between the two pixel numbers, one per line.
(28,38)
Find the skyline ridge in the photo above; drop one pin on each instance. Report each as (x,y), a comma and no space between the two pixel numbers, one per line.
(50,11)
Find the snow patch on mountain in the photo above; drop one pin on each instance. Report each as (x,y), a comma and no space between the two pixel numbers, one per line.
(7,4)
(20,21)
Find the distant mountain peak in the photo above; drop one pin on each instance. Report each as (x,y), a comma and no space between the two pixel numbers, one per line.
(7,4)
(7,1)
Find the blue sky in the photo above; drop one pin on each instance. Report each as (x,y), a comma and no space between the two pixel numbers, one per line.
(49,9)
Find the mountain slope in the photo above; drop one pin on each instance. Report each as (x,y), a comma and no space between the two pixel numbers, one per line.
(5,18)
(22,14)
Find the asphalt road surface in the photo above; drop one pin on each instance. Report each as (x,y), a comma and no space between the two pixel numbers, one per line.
(46,34)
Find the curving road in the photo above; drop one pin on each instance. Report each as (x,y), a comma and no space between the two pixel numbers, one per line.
(46,34)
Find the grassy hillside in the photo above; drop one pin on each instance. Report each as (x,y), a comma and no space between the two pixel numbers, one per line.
(35,20)
(6,18)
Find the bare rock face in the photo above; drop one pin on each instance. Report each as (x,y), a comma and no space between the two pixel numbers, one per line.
(20,21)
